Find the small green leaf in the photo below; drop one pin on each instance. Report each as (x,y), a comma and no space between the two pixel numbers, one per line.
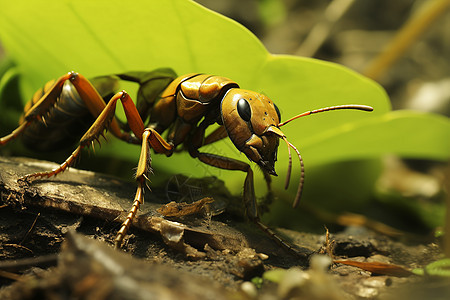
(257,281)
(440,268)
(275,275)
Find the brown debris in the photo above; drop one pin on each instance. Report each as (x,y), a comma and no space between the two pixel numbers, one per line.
(175,209)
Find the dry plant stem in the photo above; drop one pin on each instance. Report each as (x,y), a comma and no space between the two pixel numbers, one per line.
(414,27)
(11,276)
(320,32)
(447,218)
(31,228)
(19,265)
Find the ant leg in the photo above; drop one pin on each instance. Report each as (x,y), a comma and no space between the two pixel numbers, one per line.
(16,132)
(96,130)
(39,109)
(216,135)
(150,139)
(91,98)
(96,105)
(269,197)
(249,193)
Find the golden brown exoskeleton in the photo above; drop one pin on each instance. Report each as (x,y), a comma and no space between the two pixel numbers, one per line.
(183,107)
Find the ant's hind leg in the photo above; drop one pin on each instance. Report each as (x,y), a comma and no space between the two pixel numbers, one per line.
(97,129)
(39,107)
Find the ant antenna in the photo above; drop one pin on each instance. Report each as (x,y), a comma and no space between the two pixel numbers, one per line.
(346,106)
(289,145)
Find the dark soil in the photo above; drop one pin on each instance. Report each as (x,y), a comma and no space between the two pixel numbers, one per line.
(56,240)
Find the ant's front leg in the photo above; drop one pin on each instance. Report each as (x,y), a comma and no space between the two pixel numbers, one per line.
(198,141)
(227,163)
(249,192)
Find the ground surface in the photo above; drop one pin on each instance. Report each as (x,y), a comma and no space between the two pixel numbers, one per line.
(192,257)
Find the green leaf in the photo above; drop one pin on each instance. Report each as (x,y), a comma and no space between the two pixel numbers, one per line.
(439,268)
(48,38)
(408,133)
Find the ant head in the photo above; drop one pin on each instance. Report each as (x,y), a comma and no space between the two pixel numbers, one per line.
(247,117)
(253,123)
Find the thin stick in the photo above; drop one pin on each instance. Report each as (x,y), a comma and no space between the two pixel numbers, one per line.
(321,31)
(31,228)
(11,276)
(429,12)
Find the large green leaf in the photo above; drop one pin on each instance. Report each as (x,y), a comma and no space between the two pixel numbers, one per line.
(49,38)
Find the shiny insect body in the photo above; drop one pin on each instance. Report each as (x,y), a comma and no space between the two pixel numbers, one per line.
(180,107)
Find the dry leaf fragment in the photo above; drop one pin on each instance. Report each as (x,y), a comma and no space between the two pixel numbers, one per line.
(378,268)
(174,209)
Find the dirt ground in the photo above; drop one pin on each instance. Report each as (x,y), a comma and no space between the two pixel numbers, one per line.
(57,235)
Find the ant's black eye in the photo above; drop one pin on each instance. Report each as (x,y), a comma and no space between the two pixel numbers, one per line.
(244,110)
(278,112)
